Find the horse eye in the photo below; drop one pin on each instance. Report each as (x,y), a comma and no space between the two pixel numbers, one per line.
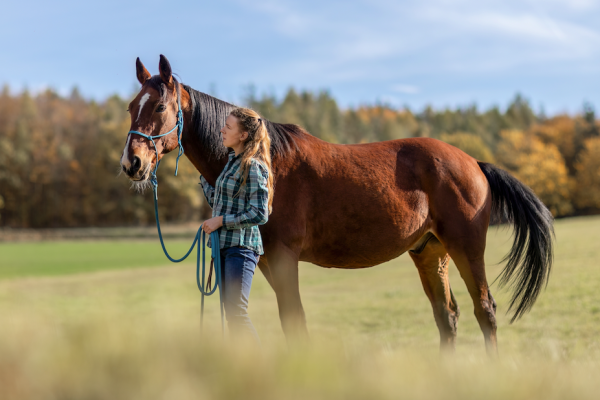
(160,108)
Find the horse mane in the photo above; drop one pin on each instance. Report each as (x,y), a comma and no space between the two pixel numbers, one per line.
(283,137)
(209,115)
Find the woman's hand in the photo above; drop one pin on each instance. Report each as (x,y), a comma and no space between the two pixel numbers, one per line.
(211,225)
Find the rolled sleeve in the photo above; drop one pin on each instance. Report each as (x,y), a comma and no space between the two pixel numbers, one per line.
(256,211)
(209,191)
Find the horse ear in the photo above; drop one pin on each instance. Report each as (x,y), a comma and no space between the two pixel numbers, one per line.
(166,74)
(142,73)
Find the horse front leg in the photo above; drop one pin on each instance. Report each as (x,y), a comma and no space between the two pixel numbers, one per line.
(280,267)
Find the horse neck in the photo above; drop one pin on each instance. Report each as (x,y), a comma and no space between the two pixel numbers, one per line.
(200,138)
(208,167)
(201,156)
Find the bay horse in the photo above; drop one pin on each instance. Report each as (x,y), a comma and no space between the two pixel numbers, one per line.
(360,205)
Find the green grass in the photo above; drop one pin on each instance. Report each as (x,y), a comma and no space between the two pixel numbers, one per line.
(29,259)
(134,332)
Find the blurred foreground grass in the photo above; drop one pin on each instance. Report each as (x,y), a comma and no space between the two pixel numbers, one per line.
(134,334)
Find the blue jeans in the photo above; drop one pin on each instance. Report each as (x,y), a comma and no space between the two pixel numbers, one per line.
(238,269)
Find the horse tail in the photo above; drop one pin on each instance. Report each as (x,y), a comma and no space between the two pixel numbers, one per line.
(530,258)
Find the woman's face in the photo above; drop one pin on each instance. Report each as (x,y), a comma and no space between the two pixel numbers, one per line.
(233,137)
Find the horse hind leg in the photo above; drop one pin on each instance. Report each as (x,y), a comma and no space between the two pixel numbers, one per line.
(492,300)
(432,263)
(471,265)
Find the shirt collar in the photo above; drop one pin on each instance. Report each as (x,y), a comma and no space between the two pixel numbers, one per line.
(232,155)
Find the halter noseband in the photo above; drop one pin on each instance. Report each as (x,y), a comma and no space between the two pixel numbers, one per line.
(178,126)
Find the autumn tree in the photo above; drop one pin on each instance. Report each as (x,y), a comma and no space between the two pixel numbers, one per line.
(538,165)
(587,190)
(59,155)
(471,144)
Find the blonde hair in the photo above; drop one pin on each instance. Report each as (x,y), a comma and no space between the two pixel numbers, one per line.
(258,145)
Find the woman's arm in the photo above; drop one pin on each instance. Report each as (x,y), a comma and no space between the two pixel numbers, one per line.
(256,211)
(209,191)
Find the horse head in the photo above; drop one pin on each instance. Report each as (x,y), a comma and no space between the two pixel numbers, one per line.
(153,112)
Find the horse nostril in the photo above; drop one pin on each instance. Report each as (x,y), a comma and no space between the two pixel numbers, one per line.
(135,166)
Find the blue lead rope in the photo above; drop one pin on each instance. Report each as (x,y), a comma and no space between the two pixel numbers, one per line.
(201,254)
(214,236)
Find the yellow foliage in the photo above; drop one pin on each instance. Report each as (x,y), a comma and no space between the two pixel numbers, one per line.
(588,176)
(538,165)
(471,144)
(384,123)
(559,131)
(368,113)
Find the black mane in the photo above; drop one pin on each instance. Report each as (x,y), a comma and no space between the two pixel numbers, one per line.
(209,115)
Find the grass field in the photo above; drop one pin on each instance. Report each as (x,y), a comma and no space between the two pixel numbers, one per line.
(111,319)
(31,259)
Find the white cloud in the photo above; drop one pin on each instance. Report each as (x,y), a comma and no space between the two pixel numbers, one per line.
(288,17)
(521,27)
(338,42)
(574,5)
(390,46)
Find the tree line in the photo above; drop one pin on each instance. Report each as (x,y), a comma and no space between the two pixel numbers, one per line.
(558,156)
(59,155)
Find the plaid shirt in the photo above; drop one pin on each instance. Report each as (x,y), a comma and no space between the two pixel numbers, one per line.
(243,212)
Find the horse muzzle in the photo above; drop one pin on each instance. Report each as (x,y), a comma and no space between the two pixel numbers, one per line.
(136,171)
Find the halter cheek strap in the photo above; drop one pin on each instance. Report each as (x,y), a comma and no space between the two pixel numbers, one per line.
(179,127)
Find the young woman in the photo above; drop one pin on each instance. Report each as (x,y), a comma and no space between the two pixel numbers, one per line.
(241,200)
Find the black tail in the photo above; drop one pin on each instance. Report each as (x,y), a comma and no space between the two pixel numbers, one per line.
(515,203)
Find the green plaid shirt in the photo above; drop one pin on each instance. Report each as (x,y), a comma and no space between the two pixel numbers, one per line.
(243,212)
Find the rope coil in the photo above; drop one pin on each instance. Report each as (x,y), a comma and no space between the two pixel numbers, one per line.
(201,254)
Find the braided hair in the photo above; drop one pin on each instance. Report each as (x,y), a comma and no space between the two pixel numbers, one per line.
(258,145)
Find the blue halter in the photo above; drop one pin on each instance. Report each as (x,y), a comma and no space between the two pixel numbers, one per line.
(179,127)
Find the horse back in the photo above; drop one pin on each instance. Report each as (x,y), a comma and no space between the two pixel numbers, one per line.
(353,206)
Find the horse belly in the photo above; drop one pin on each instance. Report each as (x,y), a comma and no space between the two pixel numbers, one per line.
(379,229)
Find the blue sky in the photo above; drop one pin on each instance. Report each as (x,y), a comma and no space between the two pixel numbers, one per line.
(438,52)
